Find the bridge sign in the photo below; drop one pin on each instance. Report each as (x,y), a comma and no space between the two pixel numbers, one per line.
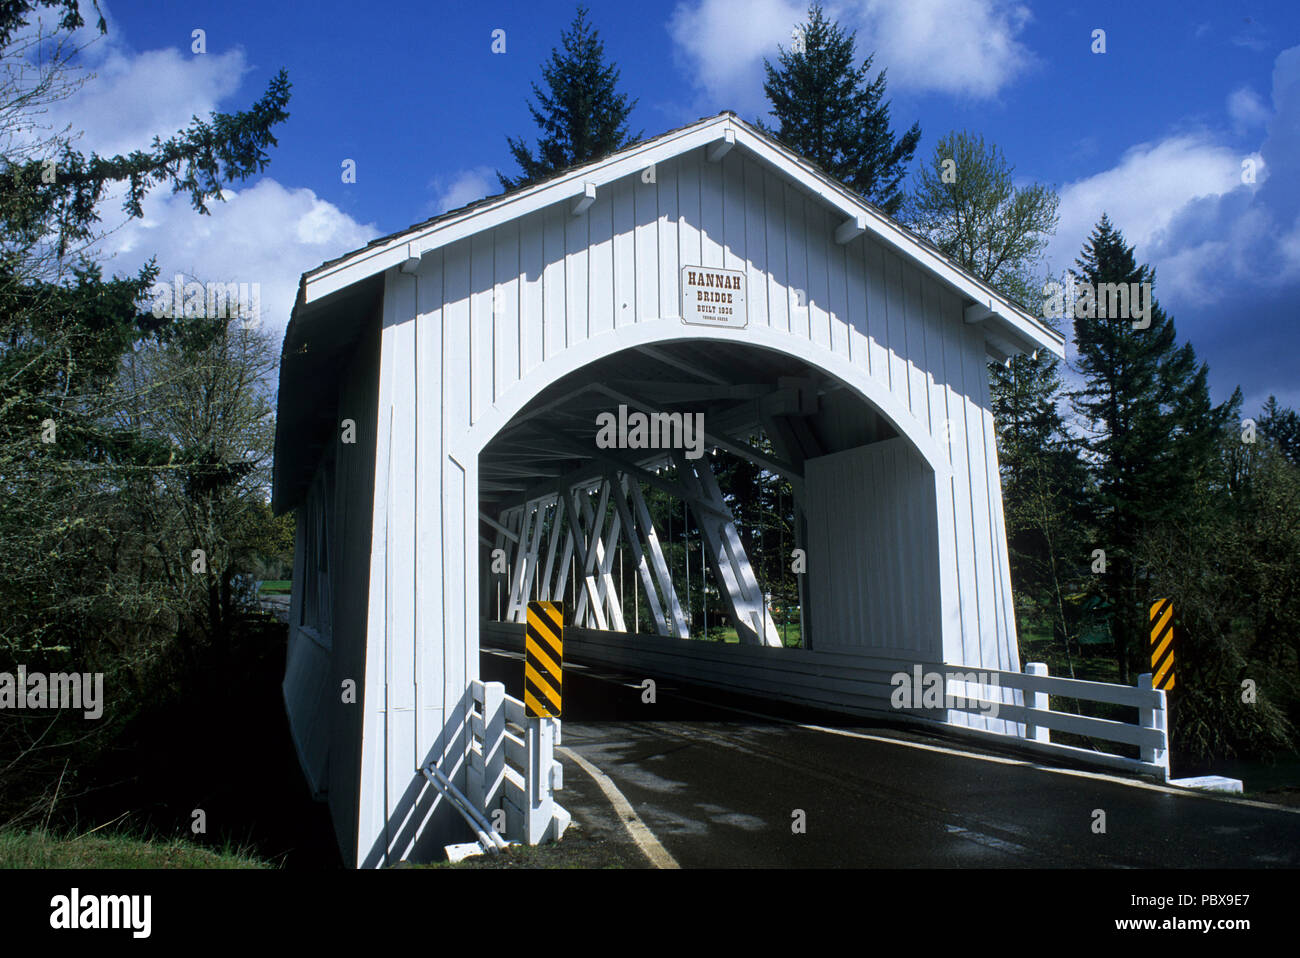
(543,659)
(713,297)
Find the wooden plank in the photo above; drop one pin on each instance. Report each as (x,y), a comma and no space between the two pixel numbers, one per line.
(558,308)
(481,368)
(646,279)
(531,301)
(507,335)
(777,263)
(666,176)
(600,264)
(624,300)
(756,259)
(426,504)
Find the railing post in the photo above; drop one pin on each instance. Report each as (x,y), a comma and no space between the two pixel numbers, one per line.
(494,747)
(474,766)
(1155,718)
(1037,700)
(541,756)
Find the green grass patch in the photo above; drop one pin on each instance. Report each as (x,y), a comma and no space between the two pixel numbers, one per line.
(276,587)
(41,849)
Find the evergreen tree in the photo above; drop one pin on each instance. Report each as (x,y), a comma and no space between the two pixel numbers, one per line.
(582,118)
(1281,426)
(832,113)
(1149,429)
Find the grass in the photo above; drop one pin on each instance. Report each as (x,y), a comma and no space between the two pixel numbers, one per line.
(791,633)
(276,587)
(38,848)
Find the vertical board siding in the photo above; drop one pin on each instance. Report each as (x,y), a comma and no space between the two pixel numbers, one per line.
(864,591)
(487,311)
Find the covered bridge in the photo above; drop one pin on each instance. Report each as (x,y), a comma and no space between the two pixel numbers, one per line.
(447,392)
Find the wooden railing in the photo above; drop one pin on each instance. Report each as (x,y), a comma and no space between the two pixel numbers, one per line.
(513,774)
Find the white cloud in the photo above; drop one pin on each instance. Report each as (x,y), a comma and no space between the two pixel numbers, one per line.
(464,187)
(268,234)
(1144,192)
(963,47)
(264,232)
(137,96)
(1246,110)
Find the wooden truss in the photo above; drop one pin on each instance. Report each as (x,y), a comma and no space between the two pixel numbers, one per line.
(560,534)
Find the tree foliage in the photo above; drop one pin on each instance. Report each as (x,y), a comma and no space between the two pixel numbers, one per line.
(1148,428)
(582,116)
(833,113)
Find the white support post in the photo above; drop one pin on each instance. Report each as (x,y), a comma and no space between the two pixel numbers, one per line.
(1155,718)
(541,759)
(620,484)
(520,573)
(1037,700)
(664,577)
(494,746)
(727,556)
(580,513)
(596,565)
(557,524)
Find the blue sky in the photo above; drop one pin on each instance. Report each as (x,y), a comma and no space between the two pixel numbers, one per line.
(1154,131)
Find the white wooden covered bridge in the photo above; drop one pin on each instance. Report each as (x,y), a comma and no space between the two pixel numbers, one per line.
(441,396)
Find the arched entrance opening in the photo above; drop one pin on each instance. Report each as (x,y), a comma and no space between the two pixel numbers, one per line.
(711,491)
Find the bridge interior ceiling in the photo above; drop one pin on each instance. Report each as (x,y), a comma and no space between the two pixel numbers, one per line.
(559,498)
(744,393)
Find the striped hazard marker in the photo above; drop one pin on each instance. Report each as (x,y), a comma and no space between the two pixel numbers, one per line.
(1162,644)
(543,659)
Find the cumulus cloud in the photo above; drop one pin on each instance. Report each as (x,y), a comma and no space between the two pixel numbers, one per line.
(965,47)
(1222,228)
(268,234)
(265,232)
(1246,109)
(1144,192)
(464,187)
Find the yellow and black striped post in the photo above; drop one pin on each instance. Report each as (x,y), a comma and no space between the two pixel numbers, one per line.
(543,659)
(1162,644)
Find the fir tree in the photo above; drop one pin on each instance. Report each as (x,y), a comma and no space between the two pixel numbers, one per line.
(582,118)
(1149,428)
(832,113)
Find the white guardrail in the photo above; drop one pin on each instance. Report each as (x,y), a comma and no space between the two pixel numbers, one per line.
(1150,735)
(862,684)
(512,767)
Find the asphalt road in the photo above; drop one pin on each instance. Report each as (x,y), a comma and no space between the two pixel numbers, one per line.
(720,788)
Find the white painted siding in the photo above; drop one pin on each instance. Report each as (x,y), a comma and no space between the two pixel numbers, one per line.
(490,319)
(873,551)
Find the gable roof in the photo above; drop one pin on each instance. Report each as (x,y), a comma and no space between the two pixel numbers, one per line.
(336,299)
(1008,327)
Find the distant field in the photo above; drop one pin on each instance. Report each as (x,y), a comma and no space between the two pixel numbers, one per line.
(277,587)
